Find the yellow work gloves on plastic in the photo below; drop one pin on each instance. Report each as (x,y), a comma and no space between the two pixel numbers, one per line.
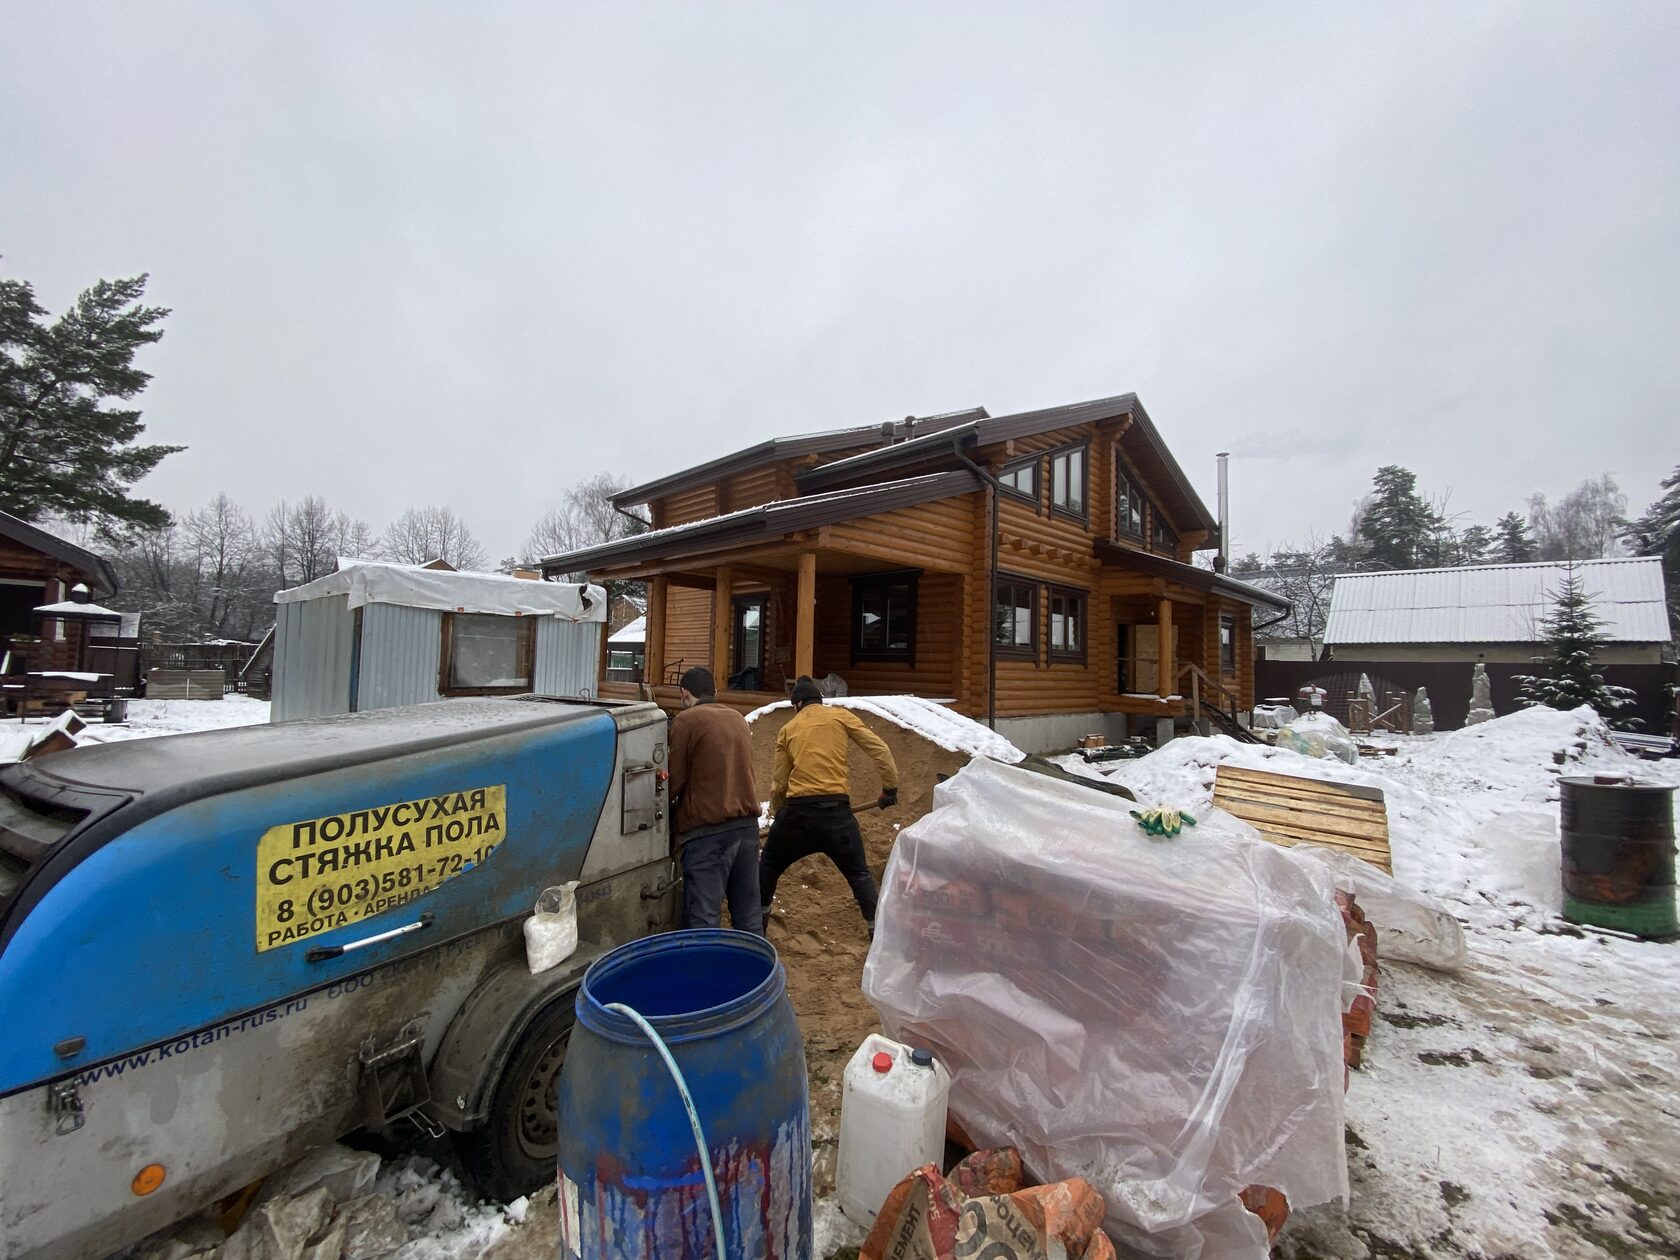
(1163,822)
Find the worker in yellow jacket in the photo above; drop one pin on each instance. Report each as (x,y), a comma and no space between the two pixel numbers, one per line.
(811,799)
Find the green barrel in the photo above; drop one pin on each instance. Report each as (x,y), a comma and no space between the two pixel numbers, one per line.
(1618,856)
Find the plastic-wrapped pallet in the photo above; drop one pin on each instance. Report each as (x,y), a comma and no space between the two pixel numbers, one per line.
(1160,1017)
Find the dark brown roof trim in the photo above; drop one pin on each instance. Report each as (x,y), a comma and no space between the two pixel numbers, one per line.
(37,539)
(764,523)
(1197,579)
(985,432)
(792,448)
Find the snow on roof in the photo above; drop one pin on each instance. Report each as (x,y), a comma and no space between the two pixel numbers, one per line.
(630,632)
(928,718)
(1495,603)
(413,586)
(70,608)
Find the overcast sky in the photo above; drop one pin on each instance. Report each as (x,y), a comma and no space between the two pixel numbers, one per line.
(468,253)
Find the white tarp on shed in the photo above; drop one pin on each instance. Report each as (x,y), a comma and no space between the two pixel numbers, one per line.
(371,582)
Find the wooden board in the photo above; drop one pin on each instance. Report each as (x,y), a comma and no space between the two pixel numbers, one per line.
(1289,810)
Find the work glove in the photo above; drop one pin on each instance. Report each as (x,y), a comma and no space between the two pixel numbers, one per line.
(889,798)
(1163,822)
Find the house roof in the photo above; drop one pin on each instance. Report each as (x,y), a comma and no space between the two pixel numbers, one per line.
(1495,603)
(1147,449)
(1193,576)
(766,522)
(780,448)
(37,539)
(630,632)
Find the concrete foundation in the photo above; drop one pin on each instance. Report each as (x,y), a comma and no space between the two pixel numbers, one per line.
(1059,732)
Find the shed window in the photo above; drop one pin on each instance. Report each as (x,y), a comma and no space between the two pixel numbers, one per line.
(1128,506)
(485,652)
(1067,481)
(1021,479)
(1015,617)
(884,616)
(1228,645)
(1067,623)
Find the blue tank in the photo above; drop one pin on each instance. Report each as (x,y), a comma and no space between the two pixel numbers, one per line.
(631,1184)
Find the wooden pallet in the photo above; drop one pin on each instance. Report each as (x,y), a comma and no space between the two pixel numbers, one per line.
(1289,810)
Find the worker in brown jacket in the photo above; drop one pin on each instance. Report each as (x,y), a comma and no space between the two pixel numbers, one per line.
(717,807)
(811,796)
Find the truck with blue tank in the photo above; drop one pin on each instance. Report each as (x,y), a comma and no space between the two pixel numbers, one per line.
(221,950)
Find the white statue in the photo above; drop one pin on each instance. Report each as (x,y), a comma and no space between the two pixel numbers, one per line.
(1366,690)
(1481,697)
(1423,717)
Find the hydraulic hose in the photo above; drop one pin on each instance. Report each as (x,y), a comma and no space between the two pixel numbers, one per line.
(693,1116)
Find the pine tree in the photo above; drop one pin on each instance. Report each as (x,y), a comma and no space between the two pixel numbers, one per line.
(1511,544)
(1574,639)
(64,451)
(1474,544)
(1657,533)
(1397,526)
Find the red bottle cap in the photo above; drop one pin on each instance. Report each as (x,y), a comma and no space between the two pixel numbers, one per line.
(882,1062)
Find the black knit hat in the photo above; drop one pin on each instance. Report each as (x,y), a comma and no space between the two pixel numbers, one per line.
(698,682)
(804,692)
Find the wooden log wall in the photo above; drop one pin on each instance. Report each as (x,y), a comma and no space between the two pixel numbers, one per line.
(688,627)
(934,673)
(685,506)
(928,536)
(759,485)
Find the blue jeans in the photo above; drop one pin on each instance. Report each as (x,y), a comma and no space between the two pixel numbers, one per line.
(722,863)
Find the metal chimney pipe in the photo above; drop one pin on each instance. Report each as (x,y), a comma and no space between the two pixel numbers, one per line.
(1223,559)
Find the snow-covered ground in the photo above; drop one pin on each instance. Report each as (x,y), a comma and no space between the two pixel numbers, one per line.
(176,717)
(1528,1105)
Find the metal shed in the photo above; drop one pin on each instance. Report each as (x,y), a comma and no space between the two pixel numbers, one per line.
(375,635)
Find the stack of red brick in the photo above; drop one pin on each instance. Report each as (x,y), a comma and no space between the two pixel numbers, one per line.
(1356,1021)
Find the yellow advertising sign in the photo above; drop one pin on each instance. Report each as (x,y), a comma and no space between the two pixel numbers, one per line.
(322,873)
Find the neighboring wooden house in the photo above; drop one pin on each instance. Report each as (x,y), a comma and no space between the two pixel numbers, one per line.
(1024,568)
(38,569)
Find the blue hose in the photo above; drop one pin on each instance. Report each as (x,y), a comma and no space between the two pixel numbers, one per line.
(693,1117)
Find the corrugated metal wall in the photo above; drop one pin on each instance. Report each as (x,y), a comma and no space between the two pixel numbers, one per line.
(568,657)
(401,650)
(312,658)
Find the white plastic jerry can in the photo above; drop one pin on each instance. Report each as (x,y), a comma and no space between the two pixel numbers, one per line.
(892,1121)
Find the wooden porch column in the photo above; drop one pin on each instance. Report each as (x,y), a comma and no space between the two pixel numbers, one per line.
(721,618)
(1166,665)
(805,616)
(653,646)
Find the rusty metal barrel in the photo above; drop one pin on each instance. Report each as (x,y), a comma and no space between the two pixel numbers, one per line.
(1618,855)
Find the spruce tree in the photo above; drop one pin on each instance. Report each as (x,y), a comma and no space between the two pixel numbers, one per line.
(1657,533)
(64,449)
(1397,526)
(1511,544)
(1574,639)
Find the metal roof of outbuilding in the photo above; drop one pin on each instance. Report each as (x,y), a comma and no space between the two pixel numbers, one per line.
(1495,603)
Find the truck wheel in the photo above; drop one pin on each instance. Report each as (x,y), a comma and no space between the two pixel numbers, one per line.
(514,1151)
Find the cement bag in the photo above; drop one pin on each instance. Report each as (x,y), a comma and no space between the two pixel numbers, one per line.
(1160,1017)
(1319,735)
(551,933)
(982,1210)
(1411,927)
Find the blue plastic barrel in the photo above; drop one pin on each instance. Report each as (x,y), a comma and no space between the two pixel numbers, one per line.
(631,1184)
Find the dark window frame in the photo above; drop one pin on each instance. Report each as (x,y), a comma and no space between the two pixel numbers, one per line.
(1157,522)
(1227,622)
(1122,658)
(737,604)
(527,627)
(1053,592)
(1135,487)
(1017,651)
(1034,462)
(861,582)
(1083,450)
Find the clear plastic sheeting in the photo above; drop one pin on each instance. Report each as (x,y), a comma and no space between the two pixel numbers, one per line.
(1160,1017)
(1411,926)
(1319,735)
